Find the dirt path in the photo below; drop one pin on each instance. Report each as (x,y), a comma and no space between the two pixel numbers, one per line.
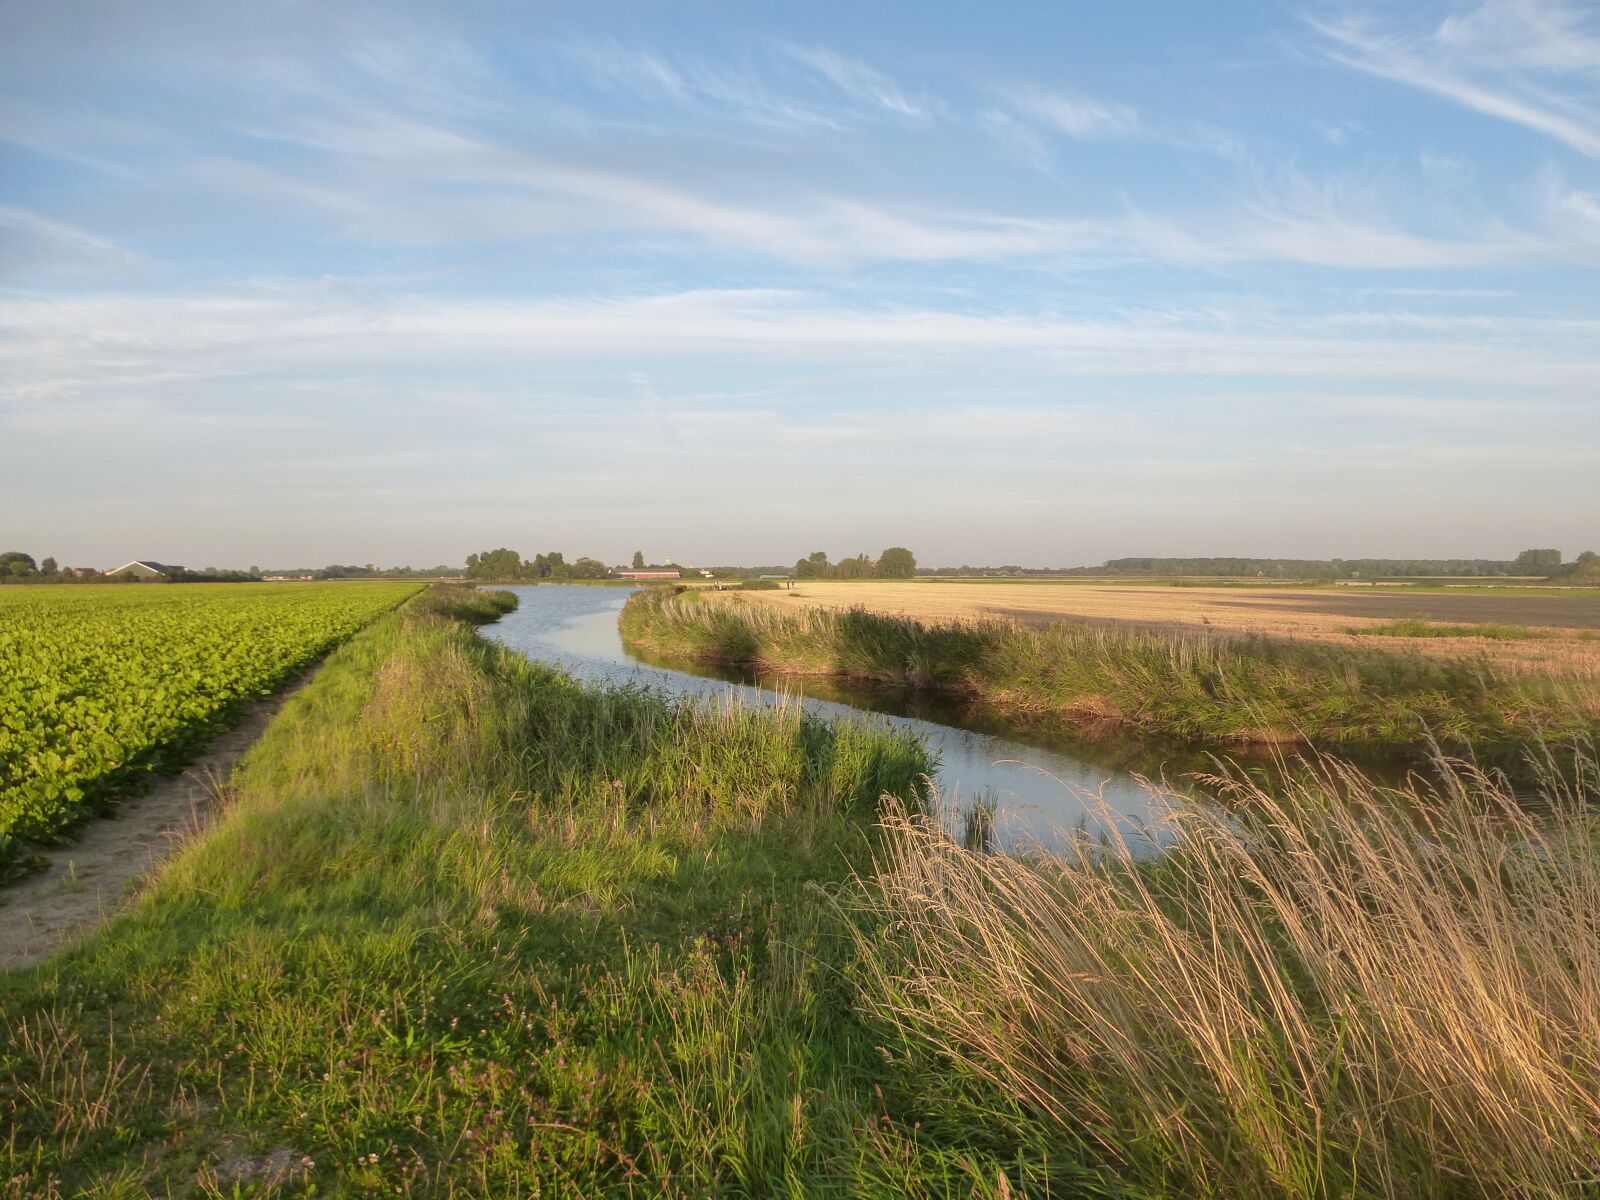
(91,880)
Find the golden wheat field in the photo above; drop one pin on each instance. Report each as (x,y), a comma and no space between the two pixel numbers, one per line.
(1567,626)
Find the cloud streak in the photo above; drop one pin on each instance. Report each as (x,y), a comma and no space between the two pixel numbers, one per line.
(126,344)
(1503,58)
(1075,115)
(855,78)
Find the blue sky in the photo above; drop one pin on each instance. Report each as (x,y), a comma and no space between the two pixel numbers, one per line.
(294,283)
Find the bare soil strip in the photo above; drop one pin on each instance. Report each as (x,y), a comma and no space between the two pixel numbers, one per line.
(91,880)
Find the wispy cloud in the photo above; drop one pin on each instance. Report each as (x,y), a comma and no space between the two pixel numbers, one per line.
(1504,58)
(1076,115)
(728,89)
(191,345)
(31,245)
(1575,211)
(855,78)
(413,180)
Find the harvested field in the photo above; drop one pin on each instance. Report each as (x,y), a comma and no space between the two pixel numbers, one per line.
(1322,615)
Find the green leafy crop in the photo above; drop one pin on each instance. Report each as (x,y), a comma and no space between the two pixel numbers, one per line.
(99,686)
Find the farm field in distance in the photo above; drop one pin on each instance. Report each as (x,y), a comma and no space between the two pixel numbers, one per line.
(1567,622)
(99,686)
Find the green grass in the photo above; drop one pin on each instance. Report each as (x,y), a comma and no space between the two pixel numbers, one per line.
(467,928)
(1210,689)
(1411,627)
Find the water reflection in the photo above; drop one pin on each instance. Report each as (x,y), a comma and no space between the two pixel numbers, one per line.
(1037,786)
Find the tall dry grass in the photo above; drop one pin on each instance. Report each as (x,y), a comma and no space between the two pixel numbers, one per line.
(1344,990)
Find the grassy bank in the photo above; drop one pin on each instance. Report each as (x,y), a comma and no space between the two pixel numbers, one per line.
(1211,689)
(466,928)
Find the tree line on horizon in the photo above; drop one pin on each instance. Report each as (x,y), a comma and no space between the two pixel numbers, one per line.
(1529,562)
(18,567)
(894,563)
(1544,562)
(509,564)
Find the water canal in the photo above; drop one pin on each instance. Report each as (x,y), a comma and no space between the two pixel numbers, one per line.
(1039,785)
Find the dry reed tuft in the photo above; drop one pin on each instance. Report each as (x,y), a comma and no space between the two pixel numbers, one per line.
(1342,990)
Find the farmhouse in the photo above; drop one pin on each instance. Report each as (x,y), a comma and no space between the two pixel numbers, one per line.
(651,573)
(145,568)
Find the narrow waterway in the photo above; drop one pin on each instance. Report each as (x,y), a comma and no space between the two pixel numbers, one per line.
(1040,787)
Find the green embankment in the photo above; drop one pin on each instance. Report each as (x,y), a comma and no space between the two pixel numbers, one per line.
(466,928)
(1210,689)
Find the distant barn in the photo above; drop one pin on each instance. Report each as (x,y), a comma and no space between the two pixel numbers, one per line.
(653,573)
(146,568)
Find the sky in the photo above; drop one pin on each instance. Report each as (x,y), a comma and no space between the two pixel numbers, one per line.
(290,283)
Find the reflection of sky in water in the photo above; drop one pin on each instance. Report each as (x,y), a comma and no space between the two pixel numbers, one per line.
(1036,790)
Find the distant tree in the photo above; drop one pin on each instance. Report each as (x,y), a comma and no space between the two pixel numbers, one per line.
(813,567)
(17,564)
(859,567)
(897,563)
(588,568)
(48,567)
(1537,562)
(550,566)
(495,564)
(638,560)
(255,570)
(1584,570)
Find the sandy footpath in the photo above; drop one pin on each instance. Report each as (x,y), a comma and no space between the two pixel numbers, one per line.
(96,876)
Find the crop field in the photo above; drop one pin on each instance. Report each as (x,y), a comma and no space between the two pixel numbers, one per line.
(99,686)
(1566,624)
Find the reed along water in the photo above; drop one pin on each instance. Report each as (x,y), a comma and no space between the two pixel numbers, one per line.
(1039,786)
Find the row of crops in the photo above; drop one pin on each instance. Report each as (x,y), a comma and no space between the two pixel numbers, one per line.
(101,685)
